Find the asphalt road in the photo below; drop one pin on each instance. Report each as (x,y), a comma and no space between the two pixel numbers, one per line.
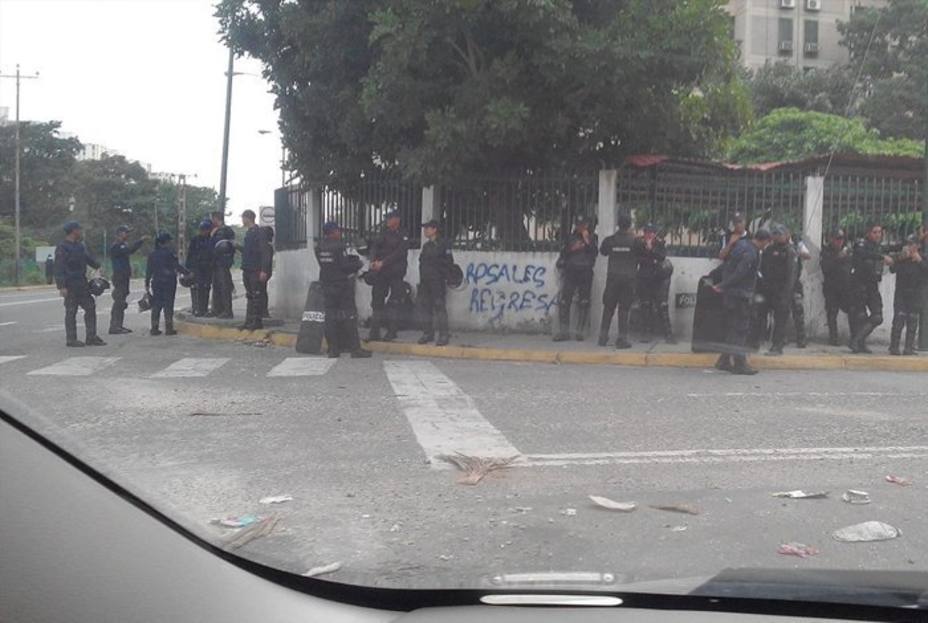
(204,430)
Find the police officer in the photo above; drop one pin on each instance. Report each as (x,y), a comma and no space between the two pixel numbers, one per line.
(620,281)
(911,270)
(341,315)
(122,272)
(49,270)
(779,263)
(256,269)
(200,261)
(730,238)
(577,259)
(268,241)
(866,274)
(652,279)
(161,283)
(71,262)
(923,312)
(388,263)
(797,307)
(739,279)
(223,257)
(435,261)
(836,272)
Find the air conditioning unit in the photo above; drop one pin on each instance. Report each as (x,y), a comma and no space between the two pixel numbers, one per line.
(787,4)
(785,46)
(810,48)
(813,5)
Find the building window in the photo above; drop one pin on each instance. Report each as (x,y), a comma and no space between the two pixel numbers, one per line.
(810,47)
(785,39)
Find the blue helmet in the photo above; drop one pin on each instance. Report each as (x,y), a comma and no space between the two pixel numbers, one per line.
(163,238)
(71,226)
(206,224)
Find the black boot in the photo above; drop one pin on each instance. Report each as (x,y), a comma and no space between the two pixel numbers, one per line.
(740,366)
(376,321)
(723,362)
(895,337)
(911,331)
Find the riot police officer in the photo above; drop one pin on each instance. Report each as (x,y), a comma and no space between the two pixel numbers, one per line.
(797,306)
(866,274)
(779,263)
(653,285)
(388,263)
(577,259)
(122,273)
(200,261)
(435,262)
(71,262)
(268,241)
(256,269)
(836,272)
(911,270)
(341,314)
(161,283)
(223,255)
(620,281)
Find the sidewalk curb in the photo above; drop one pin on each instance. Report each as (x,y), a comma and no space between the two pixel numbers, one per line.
(44,286)
(635,359)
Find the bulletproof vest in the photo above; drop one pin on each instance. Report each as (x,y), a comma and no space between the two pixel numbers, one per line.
(582,259)
(775,265)
(868,261)
(619,249)
(433,258)
(389,243)
(74,258)
(329,253)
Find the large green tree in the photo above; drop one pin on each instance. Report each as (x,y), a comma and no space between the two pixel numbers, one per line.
(448,89)
(783,85)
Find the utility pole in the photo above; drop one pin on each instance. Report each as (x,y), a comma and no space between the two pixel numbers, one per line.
(18,236)
(225,137)
(182,218)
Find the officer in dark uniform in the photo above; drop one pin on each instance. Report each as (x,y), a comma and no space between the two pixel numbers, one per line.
(268,238)
(388,263)
(911,270)
(200,261)
(161,283)
(651,253)
(49,270)
(71,262)
(836,272)
(923,310)
(122,272)
(620,281)
(577,259)
(866,274)
(256,268)
(779,263)
(730,237)
(739,279)
(797,304)
(223,257)
(341,315)
(435,261)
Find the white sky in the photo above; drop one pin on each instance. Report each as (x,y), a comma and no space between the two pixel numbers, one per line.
(145,78)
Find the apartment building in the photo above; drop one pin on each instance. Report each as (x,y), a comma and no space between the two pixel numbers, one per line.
(803,33)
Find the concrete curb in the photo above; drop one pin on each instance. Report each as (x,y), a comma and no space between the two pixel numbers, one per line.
(636,359)
(43,286)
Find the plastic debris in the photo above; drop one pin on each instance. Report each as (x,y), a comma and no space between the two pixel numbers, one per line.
(257,530)
(853,496)
(570,512)
(865,532)
(678,528)
(476,467)
(445,556)
(797,549)
(799,494)
(395,528)
(686,509)
(240,521)
(622,507)
(322,570)
(276,499)
(898,480)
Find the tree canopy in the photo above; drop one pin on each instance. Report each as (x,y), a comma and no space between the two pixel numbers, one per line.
(447,89)
(783,85)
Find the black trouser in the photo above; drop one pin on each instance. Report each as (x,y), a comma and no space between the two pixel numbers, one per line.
(49,278)
(120,293)
(432,304)
(222,291)
(262,300)
(655,310)
(834,301)
(619,293)
(867,310)
(579,282)
(199,293)
(737,328)
(341,317)
(79,296)
(162,299)
(392,285)
(906,306)
(253,288)
(797,309)
(779,304)
(923,319)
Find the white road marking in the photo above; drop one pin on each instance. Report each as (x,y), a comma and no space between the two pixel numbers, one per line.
(77,366)
(733,455)
(56,298)
(803,394)
(6,324)
(302,366)
(443,418)
(8,358)
(191,367)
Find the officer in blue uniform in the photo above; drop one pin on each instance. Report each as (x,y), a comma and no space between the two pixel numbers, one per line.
(223,239)
(336,267)
(620,281)
(911,270)
(256,269)
(71,262)
(161,283)
(200,262)
(388,263)
(122,273)
(435,262)
(576,260)
(867,262)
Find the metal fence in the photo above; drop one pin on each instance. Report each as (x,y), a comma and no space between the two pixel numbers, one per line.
(515,214)
(853,201)
(362,210)
(290,206)
(694,207)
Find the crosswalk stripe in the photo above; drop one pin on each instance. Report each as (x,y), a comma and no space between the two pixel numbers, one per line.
(443,418)
(191,367)
(6,358)
(302,366)
(77,366)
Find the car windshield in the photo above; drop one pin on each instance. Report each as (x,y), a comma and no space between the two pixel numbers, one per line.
(601,294)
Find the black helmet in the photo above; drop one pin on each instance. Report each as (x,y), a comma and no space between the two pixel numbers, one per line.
(369,277)
(354,263)
(455,276)
(145,303)
(98,285)
(187,280)
(225,247)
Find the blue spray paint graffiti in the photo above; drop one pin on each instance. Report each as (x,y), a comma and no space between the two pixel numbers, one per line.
(516,289)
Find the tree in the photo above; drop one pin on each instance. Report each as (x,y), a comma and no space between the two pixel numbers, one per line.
(793,134)
(894,71)
(450,89)
(782,85)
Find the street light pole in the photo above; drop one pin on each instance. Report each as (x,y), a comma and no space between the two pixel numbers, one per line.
(225,137)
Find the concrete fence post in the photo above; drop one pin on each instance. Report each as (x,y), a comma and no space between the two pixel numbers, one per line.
(812,227)
(605,216)
(429,203)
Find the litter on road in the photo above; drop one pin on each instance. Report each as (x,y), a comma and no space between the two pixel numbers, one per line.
(276,499)
(854,496)
(898,480)
(797,549)
(622,507)
(678,528)
(240,521)
(476,467)
(323,569)
(866,531)
(252,532)
(686,509)
(799,494)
